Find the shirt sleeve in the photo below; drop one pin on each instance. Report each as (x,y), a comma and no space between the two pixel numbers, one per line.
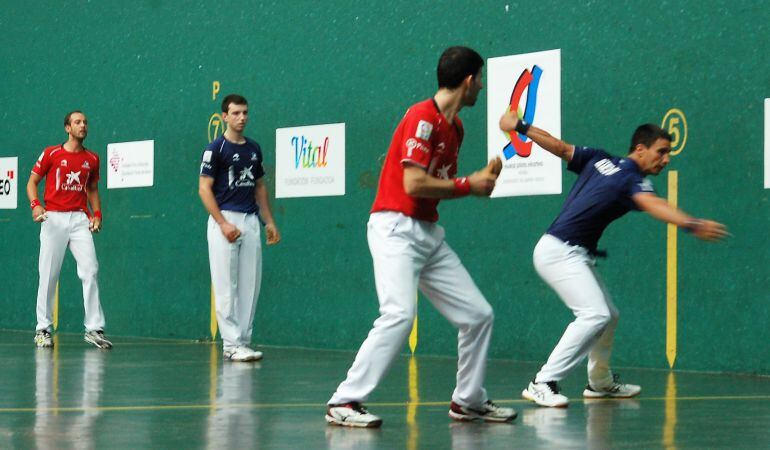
(43,164)
(581,156)
(259,170)
(416,145)
(95,170)
(209,162)
(638,184)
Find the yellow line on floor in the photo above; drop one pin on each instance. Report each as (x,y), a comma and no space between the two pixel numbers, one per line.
(321,405)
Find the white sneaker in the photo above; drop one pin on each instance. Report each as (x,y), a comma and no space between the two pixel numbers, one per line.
(614,390)
(43,339)
(97,339)
(489,412)
(242,354)
(545,394)
(351,415)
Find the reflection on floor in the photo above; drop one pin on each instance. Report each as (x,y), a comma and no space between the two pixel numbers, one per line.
(161,394)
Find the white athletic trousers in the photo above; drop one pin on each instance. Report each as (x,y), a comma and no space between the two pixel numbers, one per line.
(236,273)
(569,270)
(60,230)
(407,254)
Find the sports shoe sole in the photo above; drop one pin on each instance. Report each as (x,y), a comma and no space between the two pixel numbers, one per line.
(373,424)
(466,418)
(594,394)
(97,344)
(527,396)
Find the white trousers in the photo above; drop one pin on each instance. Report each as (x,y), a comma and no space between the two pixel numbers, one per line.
(236,274)
(60,230)
(569,270)
(407,254)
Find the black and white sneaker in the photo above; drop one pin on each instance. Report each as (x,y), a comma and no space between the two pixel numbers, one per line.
(547,393)
(488,412)
(43,339)
(351,414)
(614,390)
(97,339)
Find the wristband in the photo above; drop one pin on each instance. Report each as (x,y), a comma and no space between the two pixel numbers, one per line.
(692,225)
(34,203)
(462,187)
(98,214)
(522,127)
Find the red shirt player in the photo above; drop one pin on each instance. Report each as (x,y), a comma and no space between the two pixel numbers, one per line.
(72,175)
(409,251)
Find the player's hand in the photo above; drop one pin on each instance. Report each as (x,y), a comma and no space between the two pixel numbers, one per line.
(95,224)
(230,231)
(708,230)
(272,235)
(39,214)
(495,166)
(483,182)
(509,120)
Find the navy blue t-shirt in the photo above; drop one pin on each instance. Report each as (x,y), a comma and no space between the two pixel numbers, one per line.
(235,169)
(601,194)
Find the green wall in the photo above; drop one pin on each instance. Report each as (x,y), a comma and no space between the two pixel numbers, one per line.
(144,70)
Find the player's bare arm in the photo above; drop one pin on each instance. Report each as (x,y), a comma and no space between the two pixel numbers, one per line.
(272,235)
(509,122)
(206,193)
(418,183)
(707,230)
(38,211)
(92,193)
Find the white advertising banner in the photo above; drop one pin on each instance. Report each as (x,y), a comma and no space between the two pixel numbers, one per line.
(9,182)
(310,161)
(531,83)
(767,143)
(130,164)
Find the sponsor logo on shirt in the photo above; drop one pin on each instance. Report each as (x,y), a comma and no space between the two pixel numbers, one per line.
(64,163)
(412,144)
(606,168)
(424,130)
(86,165)
(245,178)
(646,185)
(443,172)
(253,156)
(73,182)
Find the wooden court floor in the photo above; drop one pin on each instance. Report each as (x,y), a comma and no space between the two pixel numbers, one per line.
(181,395)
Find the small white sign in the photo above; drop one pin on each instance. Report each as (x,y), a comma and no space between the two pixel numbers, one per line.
(9,182)
(767,143)
(532,83)
(130,164)
(310,161)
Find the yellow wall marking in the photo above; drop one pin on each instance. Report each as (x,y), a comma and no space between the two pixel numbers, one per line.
(673,182)
(669,424)
(214,90)
(56,308)
(213,316)
(675,123)
(413,333)
(411,407)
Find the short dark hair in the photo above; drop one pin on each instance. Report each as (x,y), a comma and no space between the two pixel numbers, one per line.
(233,98)
(647,134)
(455,64)
(69,116)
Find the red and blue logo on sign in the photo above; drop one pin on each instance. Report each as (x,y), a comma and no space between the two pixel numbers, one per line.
(529,80)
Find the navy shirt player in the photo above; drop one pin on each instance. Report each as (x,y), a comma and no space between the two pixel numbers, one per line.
(607,188)
(232,191)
